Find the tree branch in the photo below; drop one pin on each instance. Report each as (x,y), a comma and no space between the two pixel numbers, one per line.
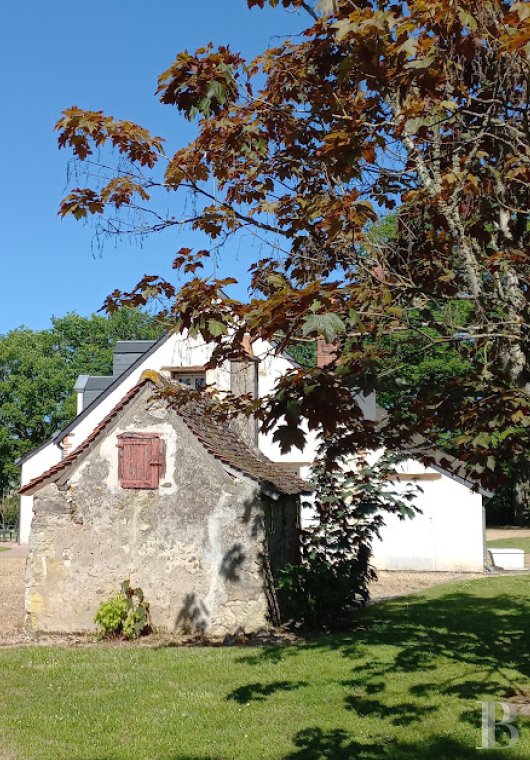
(308,8)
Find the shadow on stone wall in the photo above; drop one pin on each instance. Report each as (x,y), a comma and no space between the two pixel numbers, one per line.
(232,562)
(193,617)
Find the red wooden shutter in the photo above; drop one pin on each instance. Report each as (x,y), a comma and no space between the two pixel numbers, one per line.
(141,460)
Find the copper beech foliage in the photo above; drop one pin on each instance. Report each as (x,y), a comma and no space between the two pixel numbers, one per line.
(418,109)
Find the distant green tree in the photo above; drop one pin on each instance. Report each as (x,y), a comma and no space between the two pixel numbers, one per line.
(305,353)
(408,366)
(38,370)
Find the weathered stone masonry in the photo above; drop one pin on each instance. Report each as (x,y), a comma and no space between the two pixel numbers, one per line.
(195,545)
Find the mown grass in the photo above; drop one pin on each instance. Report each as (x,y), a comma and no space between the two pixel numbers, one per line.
(4,548)
(404,685)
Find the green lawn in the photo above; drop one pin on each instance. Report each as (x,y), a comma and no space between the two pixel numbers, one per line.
(403,686)
(4,548)
(515,543)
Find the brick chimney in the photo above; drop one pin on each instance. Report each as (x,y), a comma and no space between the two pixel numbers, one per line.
(326,353)
(244,379)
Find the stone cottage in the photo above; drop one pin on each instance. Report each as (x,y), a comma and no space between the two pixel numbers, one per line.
(172,499)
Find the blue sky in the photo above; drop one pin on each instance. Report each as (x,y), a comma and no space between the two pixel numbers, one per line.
(104,56)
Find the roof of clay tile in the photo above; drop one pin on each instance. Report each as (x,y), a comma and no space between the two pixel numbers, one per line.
(226,445)
(216,436)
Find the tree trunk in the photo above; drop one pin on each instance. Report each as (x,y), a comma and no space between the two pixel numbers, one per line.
(521,491)
(514,359)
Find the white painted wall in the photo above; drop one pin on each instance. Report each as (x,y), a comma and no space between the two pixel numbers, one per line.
(270,369)
(40,462)
(447,536)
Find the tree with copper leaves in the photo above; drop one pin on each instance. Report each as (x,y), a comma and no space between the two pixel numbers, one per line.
(418,109)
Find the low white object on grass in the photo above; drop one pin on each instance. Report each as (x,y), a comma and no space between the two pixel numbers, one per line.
(507,558)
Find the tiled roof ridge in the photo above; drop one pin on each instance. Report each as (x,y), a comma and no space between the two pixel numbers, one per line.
(221,442)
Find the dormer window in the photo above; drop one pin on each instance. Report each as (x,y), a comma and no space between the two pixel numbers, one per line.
(193,377)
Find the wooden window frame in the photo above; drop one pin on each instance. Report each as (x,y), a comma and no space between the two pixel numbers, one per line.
(193,371)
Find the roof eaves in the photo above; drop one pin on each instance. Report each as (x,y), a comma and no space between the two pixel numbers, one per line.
(52,439)
(58,437)
(457,470)
(473,485)
(72,458)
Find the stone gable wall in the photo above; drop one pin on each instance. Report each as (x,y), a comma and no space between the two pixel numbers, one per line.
(194,545)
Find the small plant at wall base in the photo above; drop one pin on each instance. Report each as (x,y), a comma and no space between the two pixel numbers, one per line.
(125,615)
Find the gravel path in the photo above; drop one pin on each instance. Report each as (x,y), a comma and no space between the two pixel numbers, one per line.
(507,532)
(12,563)
(392,584)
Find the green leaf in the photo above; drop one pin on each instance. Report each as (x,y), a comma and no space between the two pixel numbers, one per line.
(482,439)
(466,19)
(217,328)
(288,436)
(217,91)
(329,326)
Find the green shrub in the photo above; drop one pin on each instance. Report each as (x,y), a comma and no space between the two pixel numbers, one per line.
(125,615)
(321,595)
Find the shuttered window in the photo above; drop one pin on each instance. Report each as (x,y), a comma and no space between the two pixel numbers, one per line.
(141,460)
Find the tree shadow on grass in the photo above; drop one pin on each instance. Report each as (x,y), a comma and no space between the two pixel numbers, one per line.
(488,636)
(402,714)
(317,744)
(258,692)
